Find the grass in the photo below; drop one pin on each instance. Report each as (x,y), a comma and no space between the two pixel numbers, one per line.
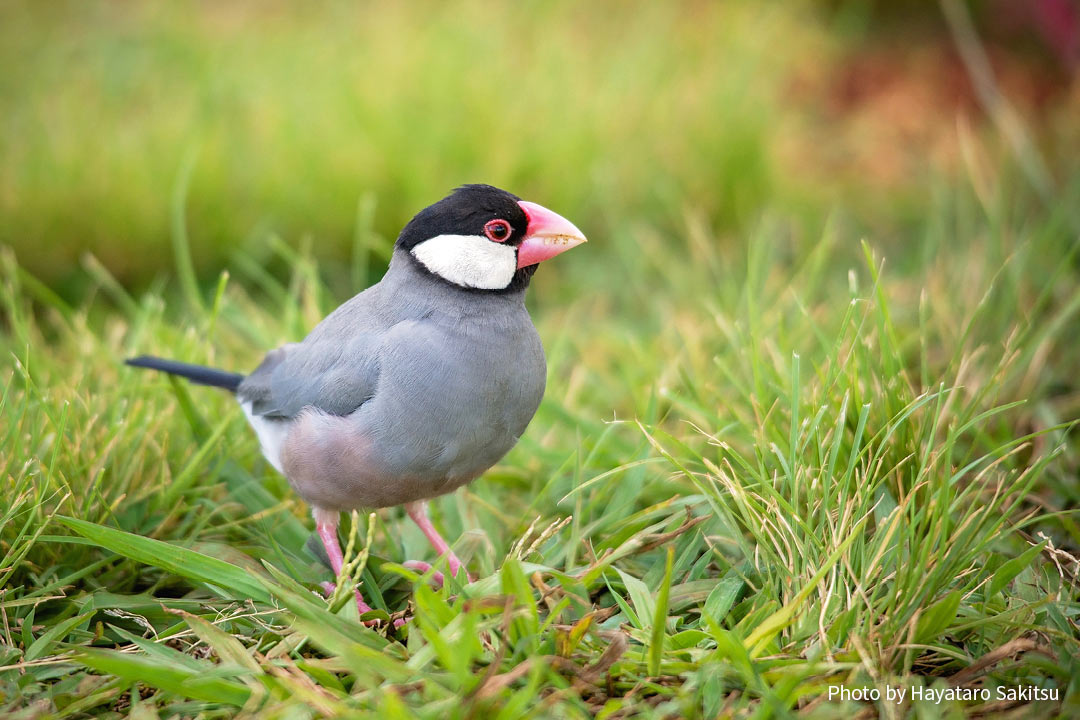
(290,115)
(794,440)
(783,474)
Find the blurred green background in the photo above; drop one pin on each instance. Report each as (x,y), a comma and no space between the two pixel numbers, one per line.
(326,123)
(832,272)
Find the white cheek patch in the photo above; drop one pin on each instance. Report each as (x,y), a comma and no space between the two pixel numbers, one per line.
(471,261)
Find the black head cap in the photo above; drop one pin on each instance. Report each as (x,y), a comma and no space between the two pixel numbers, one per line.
(466,211)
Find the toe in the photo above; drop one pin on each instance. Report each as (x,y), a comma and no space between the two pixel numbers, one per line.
(422,567)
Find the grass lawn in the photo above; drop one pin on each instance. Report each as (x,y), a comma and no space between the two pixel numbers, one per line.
(793,451)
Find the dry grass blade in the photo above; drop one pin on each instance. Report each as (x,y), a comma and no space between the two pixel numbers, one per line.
(1013,647)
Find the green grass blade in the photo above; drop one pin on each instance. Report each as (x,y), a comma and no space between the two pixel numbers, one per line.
(225,579)
(174,679)
(659,618)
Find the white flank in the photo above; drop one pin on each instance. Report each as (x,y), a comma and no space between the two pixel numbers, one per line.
(471,261)
(271,434)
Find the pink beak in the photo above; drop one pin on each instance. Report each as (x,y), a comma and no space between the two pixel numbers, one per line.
(547,235)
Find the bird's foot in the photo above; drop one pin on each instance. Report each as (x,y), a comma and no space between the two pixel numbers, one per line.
(420,566)
(419,514)
(455,566)
(326,523)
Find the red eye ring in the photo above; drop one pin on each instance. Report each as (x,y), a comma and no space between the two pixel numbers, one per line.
(497,230)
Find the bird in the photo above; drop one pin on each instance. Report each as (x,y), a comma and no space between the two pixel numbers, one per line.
(418,384)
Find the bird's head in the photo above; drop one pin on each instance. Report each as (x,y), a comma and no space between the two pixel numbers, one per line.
(483,238)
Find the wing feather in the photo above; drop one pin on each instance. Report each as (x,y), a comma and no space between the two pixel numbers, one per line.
(335,369)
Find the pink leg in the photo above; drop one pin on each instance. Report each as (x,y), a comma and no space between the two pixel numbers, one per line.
(326,523)
(418,512)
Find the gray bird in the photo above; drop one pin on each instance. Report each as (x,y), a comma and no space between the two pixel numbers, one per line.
(420,383)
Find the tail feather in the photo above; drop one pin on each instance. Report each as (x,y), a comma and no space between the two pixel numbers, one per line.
(195,373)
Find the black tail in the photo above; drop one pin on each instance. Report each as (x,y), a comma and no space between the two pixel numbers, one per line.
(194,373)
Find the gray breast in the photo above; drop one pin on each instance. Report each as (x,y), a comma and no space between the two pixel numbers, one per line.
(453,397)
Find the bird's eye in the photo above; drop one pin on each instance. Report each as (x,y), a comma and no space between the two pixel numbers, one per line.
(497,230)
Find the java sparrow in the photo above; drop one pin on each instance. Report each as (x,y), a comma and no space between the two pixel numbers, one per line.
(421,382)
